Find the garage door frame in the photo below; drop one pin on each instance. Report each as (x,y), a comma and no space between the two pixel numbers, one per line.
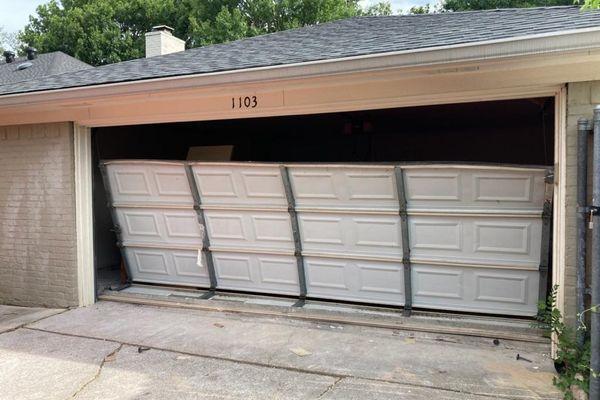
(83,184)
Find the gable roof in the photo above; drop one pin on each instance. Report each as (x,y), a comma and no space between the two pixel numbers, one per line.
(357,36)
(43,65)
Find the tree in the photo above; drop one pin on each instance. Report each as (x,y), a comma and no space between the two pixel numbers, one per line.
(106,31)
(591,4)
(466,5)
(8,41)
(426,9)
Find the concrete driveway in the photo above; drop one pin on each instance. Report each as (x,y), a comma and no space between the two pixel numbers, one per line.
(123,351)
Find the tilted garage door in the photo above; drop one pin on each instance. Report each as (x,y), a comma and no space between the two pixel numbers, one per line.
(465,238)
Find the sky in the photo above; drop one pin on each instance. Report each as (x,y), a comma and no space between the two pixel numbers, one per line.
(14,13)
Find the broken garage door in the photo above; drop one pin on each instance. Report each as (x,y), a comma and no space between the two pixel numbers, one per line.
(467,238)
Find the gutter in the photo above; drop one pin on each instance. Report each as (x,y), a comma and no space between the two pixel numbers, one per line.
(554,43)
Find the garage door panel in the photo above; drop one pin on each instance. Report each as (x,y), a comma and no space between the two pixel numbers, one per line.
(350,233)
(503,241)
(474,232)
(169,266)
(355,280)
(342,187)
(257,272)
(438,283)
(240,185)
(250,229)
(475,189)
(158,226)
(487,290)
(149,183)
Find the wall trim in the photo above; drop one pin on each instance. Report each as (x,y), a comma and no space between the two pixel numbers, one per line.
(83,172)
(84,223)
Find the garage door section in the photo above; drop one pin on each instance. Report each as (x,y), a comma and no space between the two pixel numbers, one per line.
(155,221)
(466,238)
(351,236)
(475,237)
(247,221)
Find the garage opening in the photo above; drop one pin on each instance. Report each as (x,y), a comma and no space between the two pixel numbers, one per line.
(479,256)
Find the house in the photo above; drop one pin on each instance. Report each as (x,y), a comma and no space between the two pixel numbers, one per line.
(36,66)
(419,161)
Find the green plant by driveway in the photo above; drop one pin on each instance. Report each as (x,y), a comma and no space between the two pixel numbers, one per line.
(572,360)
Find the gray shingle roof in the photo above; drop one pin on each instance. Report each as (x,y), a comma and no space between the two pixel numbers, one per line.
(44,65)
(345,38)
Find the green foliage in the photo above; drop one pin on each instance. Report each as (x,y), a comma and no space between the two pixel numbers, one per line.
(574,358)
(591,4)
(382,8)
(426,9)
(466,5)
(107,31)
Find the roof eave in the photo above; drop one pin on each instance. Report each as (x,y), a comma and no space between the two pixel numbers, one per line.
(556,43)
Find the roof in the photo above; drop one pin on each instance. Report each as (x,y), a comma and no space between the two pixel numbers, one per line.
(44,65)
(339,39)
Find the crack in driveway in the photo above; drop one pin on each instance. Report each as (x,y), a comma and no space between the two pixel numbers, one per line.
(330,388)
(106,359)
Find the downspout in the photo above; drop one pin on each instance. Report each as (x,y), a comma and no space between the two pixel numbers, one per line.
(584,126)
(595,309)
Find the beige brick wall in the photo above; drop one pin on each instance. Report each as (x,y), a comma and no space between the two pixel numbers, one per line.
(581,98)
(37,216)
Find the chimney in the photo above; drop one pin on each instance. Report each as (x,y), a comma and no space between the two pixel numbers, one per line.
(161,41)
(31,53)
(9,56)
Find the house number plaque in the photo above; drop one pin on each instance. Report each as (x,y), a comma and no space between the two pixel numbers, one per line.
(244,102)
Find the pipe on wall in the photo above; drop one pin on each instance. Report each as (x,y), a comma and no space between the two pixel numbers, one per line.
(595,310)
(584,126)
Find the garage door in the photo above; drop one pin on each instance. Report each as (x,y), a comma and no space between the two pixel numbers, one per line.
(467,238)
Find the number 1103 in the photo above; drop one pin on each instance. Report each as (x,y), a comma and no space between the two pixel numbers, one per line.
(244,102)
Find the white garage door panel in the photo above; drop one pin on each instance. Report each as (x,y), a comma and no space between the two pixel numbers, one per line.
(351,234)
(149,183)
(257,272)
(499,241)
(486,290)
(474,231)
(156,265)
(355,280)
(246,185)
(474,188)
(365,187)
(160,226)
(250,229)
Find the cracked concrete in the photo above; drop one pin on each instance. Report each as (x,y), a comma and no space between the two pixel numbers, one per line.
(452,364)
(330,388)
(123,352)
(110,357)
(13,317)
(46,366)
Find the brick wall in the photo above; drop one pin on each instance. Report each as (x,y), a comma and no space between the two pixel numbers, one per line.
(38,260)
(581,98)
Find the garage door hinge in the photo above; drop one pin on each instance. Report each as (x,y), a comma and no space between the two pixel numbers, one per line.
(549,178)
(406,261)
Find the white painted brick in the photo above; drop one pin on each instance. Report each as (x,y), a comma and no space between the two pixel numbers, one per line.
(37,216)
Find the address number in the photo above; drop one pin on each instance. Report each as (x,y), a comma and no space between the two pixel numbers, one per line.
(244,102)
